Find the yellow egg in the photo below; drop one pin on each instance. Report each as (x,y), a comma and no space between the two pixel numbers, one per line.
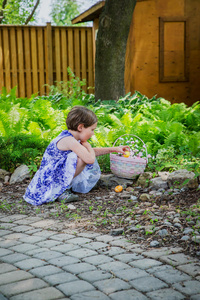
(127,154)
(118,188)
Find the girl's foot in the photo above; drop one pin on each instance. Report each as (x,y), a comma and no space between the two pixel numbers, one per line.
(67,197)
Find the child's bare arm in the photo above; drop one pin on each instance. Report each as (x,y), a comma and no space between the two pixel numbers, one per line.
(107,150)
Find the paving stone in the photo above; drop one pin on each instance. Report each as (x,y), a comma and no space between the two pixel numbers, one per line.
(63,237)
(49,293)
(79,241)
(36,250)
(111,285)
(161,252)
(47,255)
(120,242)
(13,258)
(195,297)
(159,268)
(27,220)
(128,257)
(9,243)
(14,276)
(32,239)
(98,259)
(79,268)
(4,268)
(48,244)
(13,218)
(190,287)
(81,253)
(114,266)
(45,233)
(65,248)
(104,238)
(44,223)
(64,260)
(130,274)
(192,269)
(7,225)
(75,287)
(89,234)
(22,228)
(96,245)
(128,295)
(23,286)
(16,236)
(30,263)
(112,251)
(177,259)
(147,284)
(2,297)
(60,278)
(93,276)
(5,232)
(172,276)
(145,263)
(90,295)
(165,294)
(4,252)
(23,248)
(45,271)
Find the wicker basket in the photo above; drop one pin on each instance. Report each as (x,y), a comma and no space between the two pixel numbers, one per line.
(127,167)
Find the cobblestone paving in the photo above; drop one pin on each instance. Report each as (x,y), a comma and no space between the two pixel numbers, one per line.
(37,261)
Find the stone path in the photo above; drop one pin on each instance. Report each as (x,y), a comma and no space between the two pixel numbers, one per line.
(37,262)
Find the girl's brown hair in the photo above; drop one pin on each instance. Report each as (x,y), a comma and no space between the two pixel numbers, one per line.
(80,115)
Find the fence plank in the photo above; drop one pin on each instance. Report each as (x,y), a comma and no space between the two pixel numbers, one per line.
(90,61)
(34,60)
(77,52)
(49,61)
(70,49)
(21,63)
(57,55)
(6,50)
(83,57)
(27,56)
(64,54)
(1,61)
(41,60)
(14,59)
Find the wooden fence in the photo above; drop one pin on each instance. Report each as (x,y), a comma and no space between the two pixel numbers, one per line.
(33,57)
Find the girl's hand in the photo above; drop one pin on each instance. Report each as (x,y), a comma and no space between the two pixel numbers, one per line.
(122,149)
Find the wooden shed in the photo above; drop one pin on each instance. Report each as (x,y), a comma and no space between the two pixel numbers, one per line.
(163,48)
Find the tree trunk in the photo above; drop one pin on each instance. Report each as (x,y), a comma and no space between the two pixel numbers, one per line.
(32,13)
(114,25)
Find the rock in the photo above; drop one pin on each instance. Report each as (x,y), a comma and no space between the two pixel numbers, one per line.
(177,178)
(196,239)
(144,178)
(6,179)
(188,230)
(185,238)
(144,197)
(154,244)
(71,206)
(163,232)
(21,173)
(117,231)
(111,180)
(157,183)
(163,175)
(3,174)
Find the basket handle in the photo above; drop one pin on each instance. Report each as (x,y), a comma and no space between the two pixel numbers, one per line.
(137,138)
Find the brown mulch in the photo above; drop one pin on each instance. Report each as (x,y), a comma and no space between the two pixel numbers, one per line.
(102,210)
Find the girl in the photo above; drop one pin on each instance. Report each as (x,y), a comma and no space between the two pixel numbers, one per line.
(69,161)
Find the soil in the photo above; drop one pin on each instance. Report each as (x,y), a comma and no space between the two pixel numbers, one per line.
(105,211)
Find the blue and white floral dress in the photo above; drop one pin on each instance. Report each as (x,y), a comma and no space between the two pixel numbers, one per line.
(56,173)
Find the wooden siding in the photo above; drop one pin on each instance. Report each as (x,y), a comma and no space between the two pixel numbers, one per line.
(33,57)
(163,50)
